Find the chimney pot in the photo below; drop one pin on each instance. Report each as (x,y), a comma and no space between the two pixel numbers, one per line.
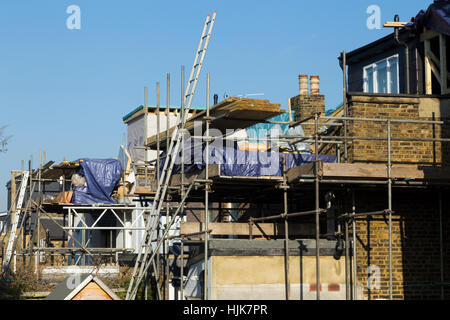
(314,84)
(303,83)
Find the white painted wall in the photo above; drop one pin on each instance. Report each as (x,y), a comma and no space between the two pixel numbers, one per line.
(136,132)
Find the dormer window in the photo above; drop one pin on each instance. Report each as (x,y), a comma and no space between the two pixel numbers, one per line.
(382,76)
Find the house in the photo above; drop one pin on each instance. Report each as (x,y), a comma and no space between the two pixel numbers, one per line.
(399,105)
(82,287)
(409,60)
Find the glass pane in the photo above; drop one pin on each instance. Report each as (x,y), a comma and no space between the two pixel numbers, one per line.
(393,81)
(368,80)
(381,69)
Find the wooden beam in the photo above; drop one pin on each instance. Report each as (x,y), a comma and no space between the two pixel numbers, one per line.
(443,56)
(306,170)
(369,170)
(395,24)
(226,112)
(436,72)
(243,228)
(428,82)
(433,58)
(428,34)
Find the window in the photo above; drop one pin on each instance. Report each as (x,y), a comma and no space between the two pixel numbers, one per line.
(382,76)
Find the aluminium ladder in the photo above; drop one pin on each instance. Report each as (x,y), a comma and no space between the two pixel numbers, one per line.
(15,221)
(143,261)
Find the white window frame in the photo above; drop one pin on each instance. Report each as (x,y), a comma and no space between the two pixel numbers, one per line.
(374,75)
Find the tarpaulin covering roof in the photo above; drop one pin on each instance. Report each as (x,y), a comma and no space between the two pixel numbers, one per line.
(437,18)
(260,130)
(102,175)
(235,162)
(264,130)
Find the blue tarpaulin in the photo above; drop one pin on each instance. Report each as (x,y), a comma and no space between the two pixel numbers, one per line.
(235,162)
(102,176)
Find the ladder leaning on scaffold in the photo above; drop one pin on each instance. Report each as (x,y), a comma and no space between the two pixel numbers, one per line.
(15,221)
(146,255)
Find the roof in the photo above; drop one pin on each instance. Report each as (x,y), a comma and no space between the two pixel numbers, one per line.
(334,111)
(153,108)
(436,18)
(232,113)
(73,284)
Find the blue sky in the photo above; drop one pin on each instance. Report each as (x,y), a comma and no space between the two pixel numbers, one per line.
(65,91)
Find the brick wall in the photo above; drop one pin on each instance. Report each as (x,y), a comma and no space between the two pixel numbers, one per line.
(401,108)
(415,244)
(305,105)
(415,223)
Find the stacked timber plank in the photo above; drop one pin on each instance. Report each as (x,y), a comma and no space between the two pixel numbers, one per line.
(232,113)
(368,171)
(65,168)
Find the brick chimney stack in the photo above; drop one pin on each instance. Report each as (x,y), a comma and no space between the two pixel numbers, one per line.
(306,103)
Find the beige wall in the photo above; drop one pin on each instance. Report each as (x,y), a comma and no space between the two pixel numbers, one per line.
(262,277)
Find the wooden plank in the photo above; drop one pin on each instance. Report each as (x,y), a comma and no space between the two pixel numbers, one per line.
(394,24)
(443,56)
(306,170)
(434,69)
(371,170)
(368,170)
(213,171)
(428,83)
(428,34)
(142,190)
(224,113)
(243,229)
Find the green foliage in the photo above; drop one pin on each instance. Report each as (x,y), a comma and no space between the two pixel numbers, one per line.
(11,289)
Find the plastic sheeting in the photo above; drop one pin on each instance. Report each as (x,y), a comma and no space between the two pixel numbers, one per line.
(437,18)
(235,162)
(274,130)
(102,176)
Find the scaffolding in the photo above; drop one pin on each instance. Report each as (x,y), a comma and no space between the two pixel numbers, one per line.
(169,202)
(347,220)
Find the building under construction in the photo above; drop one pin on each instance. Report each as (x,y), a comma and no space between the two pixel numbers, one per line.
(242,199)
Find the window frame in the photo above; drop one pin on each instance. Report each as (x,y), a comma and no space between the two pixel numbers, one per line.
(374,75)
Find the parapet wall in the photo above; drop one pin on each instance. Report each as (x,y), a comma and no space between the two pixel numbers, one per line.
(399,108)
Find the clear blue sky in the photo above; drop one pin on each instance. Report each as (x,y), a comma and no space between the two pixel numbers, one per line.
(65,91)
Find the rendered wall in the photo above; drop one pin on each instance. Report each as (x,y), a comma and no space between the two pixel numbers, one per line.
(263,277)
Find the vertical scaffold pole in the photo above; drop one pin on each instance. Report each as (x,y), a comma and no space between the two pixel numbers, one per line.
(167,242)
(207,186)
(441,245)
(286,233)
(355,280)
(344,90)
(316,182)
(157,130)
(146,136)
(389,204)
